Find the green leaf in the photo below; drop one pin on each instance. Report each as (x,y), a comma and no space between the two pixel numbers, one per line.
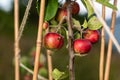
(85,24)
(43,72)
(24,60)
(94,23)
(76,23)
(51,9)
(88,7)
(106,3)
(53,21)
(58,75)
(77,35)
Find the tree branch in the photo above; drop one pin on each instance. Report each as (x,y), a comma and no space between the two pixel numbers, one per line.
(70,46)
(30,71)
(24,19)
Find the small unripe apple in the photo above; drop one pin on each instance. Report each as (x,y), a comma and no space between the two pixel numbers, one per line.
(53,40)
(61,12)
(91,35)
(74,6)
(27,77)
(41,61)
(45,25)
(82,46)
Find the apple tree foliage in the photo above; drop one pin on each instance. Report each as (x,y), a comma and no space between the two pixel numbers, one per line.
(90,22)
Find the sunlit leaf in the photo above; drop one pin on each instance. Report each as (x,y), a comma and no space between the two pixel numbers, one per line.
(58,75)
(94,23)
(85,24)
(106,3)
(76,23)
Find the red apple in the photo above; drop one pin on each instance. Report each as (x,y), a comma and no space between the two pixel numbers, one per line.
(61,12)
(82,46)
(91,35)
(74,5)
(45,25)
(75,8)
(53,40)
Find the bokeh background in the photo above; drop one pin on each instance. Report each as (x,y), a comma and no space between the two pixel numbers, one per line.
(86,68)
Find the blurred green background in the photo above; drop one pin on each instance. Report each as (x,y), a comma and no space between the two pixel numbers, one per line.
(86,68)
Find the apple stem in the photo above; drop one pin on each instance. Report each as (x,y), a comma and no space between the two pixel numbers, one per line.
(70,46)
(60,23)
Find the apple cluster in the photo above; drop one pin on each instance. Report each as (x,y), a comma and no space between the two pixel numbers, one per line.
(81,45)
(84,45)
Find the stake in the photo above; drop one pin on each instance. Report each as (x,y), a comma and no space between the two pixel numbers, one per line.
(101,65)
(39,39)
(109,53)
(49,59)
(70,46)
(16,43)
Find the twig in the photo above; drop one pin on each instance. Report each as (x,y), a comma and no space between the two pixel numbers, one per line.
(39,39)
(101,64)
(109,53)
(49,59)
(24,19)
(61,21)
(16,43)
(106,27)
(70,46)
(30,71)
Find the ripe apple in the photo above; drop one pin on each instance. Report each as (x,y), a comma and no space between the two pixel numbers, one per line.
(53,40)
(61,12)
(75,8)
(81,46)
(45,25)
(74,5)
(91,35)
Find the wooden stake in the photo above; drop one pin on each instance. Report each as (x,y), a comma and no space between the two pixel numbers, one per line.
(16,43)
(101,65)
(39,39)
(109,53)
(49,59)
